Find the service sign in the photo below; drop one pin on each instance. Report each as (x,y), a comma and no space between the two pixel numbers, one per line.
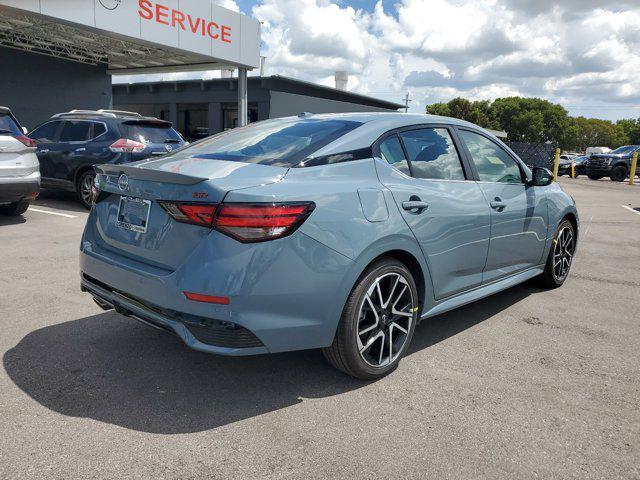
(196,26)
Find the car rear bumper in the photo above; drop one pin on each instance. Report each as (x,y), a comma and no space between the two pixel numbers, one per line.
(191,333)
(14,189)
(286,294)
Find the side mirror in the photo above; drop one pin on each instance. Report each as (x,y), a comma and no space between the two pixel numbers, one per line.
(24,130)
(541,177)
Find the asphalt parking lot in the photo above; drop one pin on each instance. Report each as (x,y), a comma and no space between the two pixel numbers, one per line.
(526,384)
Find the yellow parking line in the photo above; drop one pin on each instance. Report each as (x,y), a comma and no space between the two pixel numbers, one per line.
(66,215)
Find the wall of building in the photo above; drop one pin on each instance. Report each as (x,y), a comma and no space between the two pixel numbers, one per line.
(36,86)
(284,104)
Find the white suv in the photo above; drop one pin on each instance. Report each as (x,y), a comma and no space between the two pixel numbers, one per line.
(19,167)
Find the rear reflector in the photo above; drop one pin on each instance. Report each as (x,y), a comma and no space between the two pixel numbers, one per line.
(246,222)
(199,297)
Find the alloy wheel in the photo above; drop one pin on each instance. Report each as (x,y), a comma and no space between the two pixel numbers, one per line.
(86,185)
(563,253)
(385,319)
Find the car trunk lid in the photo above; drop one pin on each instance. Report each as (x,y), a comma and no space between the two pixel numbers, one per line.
(161,241)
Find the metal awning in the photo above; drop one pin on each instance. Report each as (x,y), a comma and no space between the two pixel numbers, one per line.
(130,37)
(39,34)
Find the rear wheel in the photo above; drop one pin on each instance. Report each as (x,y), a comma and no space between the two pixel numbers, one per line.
(594,177)
(84,186)
(377,323)
(15,208)
(560,256)
(618,174)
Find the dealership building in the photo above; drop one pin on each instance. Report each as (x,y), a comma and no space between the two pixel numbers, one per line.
(59,55)
(199,108)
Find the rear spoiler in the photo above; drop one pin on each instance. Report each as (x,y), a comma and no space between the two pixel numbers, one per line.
(141,173)
(156,122)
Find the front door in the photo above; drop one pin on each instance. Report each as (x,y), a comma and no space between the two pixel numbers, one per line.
(445,211)
(518,215)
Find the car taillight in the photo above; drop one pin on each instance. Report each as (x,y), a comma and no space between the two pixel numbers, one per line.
(257,222)
(124,145)
(194,213)
(246,222)
(26,141)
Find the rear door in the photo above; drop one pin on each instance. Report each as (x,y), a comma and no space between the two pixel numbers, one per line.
(443,207)
(518,212)
(46,137)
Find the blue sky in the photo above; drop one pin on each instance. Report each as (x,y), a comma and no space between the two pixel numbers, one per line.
(583,54)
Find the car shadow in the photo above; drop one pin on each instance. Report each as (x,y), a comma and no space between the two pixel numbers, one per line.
(11,220)
(60,200)
(111,369)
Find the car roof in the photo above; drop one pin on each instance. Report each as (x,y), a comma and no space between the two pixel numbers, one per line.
(375,124)
(5,109)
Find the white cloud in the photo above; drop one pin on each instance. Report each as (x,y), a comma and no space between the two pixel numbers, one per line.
(585,53)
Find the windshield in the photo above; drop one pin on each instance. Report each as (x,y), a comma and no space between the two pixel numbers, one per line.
(281,142)
(144,133)
(625,149)
(8,125)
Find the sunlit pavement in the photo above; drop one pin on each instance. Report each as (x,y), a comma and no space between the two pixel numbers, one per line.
(527,383)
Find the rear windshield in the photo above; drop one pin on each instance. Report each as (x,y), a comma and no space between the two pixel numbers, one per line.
(7,124)
(282,142)
(146,133)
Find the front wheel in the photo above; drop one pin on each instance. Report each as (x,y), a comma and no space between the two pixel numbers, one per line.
(561,256)
(15,208)
(84,188)
(377,322)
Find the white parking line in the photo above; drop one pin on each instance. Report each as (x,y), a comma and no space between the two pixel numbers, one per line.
(630,209)
(66,215)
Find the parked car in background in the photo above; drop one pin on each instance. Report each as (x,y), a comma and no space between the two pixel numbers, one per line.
(579,168)
(19,170)
(596,150)
(70,144)
(615,165)
(337,231)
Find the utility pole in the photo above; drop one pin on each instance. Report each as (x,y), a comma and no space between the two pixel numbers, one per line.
(407,100)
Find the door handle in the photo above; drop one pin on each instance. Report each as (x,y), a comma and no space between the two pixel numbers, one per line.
(81,149)
(45,150)
(415,205)
(498,204)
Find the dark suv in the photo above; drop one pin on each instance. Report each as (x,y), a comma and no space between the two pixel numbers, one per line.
(70,144)
(615,165)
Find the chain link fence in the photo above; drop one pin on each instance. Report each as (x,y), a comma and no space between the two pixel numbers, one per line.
(534,154)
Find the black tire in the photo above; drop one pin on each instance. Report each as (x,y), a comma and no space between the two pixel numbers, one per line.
(550,277)
(85,179)
(344,353)
(15,208)
(594,177)
(618,174)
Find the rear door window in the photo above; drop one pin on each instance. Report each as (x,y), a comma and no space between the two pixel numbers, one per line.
(7,124)
(433,154)
(46,133)
(75,131)
(98,129)
(391,151)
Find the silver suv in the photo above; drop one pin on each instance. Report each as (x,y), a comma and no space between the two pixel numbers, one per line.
(19,167)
